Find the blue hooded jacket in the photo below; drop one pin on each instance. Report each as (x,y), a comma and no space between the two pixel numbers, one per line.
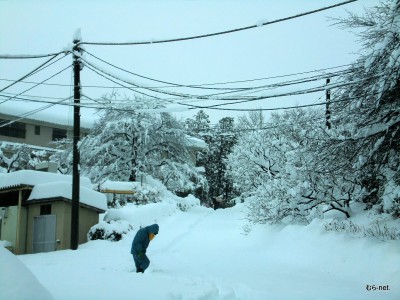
(141,240)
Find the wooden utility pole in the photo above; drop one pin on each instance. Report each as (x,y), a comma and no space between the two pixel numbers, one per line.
(75,153)
(327,111)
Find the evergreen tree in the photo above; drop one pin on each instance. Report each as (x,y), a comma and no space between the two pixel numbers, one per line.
(221,143)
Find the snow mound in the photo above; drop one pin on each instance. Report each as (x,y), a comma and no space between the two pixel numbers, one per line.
(17,282)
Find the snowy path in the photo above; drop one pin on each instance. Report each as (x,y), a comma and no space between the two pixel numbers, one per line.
(203,254)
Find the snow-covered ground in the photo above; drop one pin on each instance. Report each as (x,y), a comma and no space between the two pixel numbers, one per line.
(204,254)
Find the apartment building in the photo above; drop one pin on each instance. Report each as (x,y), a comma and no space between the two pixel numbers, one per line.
(34,132)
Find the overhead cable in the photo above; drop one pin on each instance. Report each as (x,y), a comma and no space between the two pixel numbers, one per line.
(263,97)
(37,84)
(102,74)
(25,115)
(322,75)
(204,86)
(29,74)
(29,56)
(193,107)
(263,109)
(91,66)
(201,97)
(217,33)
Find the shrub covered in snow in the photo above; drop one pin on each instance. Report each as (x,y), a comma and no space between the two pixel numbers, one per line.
(376,230)
(111,230)
(185,203)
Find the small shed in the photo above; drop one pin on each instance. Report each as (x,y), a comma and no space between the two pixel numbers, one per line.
(35,210)
(119,191)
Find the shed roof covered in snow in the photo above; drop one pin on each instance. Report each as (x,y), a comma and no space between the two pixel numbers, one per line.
(196,143)
(119,187)
(50,186)
(62,189)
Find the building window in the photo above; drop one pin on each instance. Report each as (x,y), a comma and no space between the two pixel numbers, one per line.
(45,209)
(15,129)
(37,130)
(59,134)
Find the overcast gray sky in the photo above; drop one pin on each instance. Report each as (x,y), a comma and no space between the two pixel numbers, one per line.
(303,44)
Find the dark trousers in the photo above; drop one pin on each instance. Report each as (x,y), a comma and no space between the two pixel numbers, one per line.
(141,263)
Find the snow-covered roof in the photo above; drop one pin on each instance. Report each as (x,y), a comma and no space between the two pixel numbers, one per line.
(196,142)
(53,115)
(118,186)
(32,178)
(64,189)
(50,185)
(33,147)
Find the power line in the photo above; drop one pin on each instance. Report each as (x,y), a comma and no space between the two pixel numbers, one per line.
(257,89)
(104,74)
(294,93)
(24,99)
(238,100)
(217,33)
(214,107)
(34,96)
(231,90)
(29,56)
(266,109)
(203,86)
(23,116)
(36,84)
(323,75)
(191,96)
(134,110)
(29,74)
(138,75)
(99,72)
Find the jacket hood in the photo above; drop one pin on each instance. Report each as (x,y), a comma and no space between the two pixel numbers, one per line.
(153,228)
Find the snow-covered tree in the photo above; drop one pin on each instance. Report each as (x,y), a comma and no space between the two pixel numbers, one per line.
(221,142)
(21,157)
(199,126)
(129,140)
(273,168)
(296,169)
(365,138)
(220,139)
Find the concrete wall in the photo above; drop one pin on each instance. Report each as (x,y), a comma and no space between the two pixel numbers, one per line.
(44,139)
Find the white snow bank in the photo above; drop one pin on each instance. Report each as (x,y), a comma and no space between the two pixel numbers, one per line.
(4,243)
(203,254)
(64,189)
(143,215)
(17,282)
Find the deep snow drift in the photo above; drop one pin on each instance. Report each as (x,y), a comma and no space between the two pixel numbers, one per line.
(16,281)
(204,254)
